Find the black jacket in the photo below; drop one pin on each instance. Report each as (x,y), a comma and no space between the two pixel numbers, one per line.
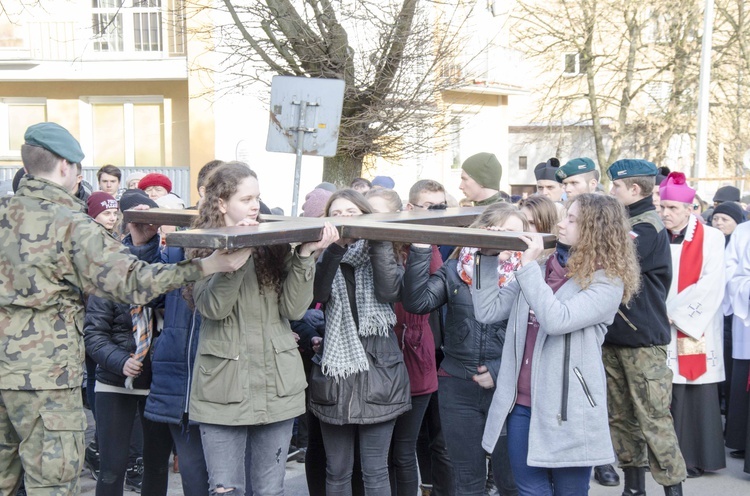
(108,330)
(381,393)
(467,343)
(646,323)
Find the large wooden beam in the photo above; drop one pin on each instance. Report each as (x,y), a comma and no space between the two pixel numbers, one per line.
(360,227)
(184,218)
(437,235)
(439,227)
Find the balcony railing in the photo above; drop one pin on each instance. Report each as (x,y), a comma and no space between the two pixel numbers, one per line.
(129,35)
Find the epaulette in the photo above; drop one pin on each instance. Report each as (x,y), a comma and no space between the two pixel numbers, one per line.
(648,217)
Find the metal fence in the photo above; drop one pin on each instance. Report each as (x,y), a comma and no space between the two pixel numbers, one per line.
(180,177)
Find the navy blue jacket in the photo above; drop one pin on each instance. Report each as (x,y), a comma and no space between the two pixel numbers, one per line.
(108,329)
(173,355)
(644,322)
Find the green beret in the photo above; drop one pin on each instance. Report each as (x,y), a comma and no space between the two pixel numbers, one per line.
(485,169)
(574,167)
(630,167)
(55,138)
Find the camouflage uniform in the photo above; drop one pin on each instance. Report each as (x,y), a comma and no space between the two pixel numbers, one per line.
(51,252)
(639,382)
(639,390)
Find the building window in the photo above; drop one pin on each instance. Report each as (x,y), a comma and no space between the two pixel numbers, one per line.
(127,25)
(17,114)
(574,64)
(522,163)
(128,132)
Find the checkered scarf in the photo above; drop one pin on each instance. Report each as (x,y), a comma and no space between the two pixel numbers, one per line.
(343,353)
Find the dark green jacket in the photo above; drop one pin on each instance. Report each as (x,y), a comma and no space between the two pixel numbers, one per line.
(496,198)
(248,370)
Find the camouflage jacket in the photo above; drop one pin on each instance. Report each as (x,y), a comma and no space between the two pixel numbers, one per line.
(50,253)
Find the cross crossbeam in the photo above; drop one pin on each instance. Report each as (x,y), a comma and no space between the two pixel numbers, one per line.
(439,227)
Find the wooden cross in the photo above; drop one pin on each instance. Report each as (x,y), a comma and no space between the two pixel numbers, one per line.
(438,227)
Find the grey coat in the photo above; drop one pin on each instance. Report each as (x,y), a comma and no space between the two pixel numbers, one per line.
(569,425)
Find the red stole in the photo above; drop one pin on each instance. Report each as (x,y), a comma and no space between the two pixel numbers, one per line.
(691,353)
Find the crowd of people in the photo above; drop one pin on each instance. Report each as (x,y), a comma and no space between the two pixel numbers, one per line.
(386,368)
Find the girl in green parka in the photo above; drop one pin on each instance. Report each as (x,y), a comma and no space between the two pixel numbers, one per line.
(248,381)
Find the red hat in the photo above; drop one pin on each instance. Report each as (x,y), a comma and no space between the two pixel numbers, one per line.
(100,201)
(155,179)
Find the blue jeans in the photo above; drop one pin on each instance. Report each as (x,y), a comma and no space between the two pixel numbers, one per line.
(374,441)
(463,412)
(224,448)
(539,481)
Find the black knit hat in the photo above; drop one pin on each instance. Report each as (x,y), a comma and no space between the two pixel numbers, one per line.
(135,197)
(727,194)
(731,209)
(662,175)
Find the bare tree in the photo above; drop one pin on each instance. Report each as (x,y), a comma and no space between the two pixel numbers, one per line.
(392,55)
(730,109)
(635,78)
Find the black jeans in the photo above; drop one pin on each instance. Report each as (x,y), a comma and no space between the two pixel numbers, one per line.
(315,461)
(403,460)
(463,411)
(115,415)
(435,467)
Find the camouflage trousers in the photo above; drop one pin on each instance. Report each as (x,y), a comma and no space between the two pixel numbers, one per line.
(41,433)
(639,390)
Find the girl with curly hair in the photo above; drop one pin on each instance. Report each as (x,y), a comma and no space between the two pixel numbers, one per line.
(248,382)
(551,392)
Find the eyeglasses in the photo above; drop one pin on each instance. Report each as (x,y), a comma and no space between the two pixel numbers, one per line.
(434,206)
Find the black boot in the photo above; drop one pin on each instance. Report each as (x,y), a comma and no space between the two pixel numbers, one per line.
(606,475)
(675,490)
(635,481)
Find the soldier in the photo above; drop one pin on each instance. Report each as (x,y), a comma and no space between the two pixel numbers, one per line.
(50,253)
(578,176)
(639,382)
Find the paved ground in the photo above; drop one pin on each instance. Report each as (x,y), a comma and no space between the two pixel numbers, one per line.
(731,481)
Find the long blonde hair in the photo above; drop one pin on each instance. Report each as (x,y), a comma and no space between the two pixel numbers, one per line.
(604,242)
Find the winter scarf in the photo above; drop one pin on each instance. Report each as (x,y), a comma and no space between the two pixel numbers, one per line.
(343,353)
(505,268)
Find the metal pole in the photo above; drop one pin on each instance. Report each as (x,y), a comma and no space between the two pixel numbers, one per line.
(298,163)
(703,93)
